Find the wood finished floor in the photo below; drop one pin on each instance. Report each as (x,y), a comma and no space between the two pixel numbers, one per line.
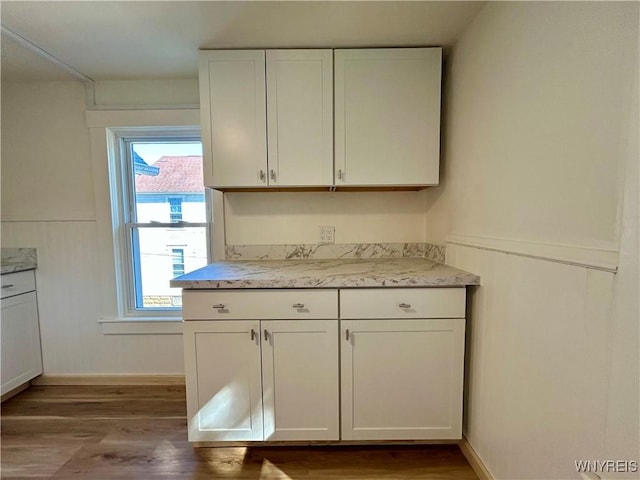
(139,432)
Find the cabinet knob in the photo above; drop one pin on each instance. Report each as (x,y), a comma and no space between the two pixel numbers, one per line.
(298,305)
(11,285)
(340,174)
(262,176)
(273,175)
(347,334)
(253,334)
(266,335)
(219,306)
(405,305)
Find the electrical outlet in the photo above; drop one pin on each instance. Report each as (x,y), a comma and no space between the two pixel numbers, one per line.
(326,235)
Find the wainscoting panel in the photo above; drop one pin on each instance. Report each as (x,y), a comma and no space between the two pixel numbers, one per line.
(69,306)
(538,351)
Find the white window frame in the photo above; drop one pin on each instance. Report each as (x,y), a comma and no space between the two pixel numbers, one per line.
(102,125)
(122,208)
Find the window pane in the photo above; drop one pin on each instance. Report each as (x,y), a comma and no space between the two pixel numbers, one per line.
(159,255)
(168,182)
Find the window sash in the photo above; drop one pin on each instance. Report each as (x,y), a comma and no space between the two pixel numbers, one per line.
(126,225)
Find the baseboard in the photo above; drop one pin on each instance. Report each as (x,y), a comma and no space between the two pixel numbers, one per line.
(321,443)
(474,460)
(12,393)
(109,380)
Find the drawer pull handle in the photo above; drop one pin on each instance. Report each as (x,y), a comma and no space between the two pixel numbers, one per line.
(347,335)
(266,335)
(253,334)
(11,285)
(298,305)
(404,305)
(219,306)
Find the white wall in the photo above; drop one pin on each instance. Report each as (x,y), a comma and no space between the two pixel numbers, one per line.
(536,113)
(46,168)
(294,218)
(146,93)
(48,203)
(538,137)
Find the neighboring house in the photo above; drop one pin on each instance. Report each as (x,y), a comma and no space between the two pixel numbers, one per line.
(169,191)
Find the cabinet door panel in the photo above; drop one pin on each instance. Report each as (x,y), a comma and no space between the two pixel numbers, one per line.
(300,380)
(300,117)
(21,355)
(224,396)
(402,379)
(387,122)
(233,111)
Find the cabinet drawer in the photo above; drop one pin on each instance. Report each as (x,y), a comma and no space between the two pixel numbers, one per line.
(17,283)
(403,303)
(259,304)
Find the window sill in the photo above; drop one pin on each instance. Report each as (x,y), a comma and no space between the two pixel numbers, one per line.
(141,326)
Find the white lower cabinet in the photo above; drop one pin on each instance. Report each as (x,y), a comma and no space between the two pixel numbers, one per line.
(251,380)
(300,379)
(396,354)
(224,385)
(21,355)
(402,379)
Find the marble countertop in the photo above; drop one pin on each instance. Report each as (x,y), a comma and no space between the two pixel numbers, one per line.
(18,260)
(340,273)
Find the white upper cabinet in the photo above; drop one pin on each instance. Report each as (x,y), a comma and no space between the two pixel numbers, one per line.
(233,116)
(293,102)
(300,117)
(387,116)
(268,117)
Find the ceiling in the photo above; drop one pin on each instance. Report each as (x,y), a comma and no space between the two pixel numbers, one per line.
(106,40)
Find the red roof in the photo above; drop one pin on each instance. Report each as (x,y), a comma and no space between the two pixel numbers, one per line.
(177,175)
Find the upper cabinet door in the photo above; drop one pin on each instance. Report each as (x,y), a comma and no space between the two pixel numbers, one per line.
(300,117)
(233,115)
(387,123)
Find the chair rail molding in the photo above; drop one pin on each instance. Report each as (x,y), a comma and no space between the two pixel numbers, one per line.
(588,257)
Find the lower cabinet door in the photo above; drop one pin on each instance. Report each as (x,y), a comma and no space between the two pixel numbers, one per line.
(222,361)
(402,379)
(300,379)
(21,356)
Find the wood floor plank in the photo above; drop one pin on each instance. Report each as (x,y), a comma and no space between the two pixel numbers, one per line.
(140,433)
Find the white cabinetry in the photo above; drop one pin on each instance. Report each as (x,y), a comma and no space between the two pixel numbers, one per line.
(387,123)
(402,364)
(259,379)
(21,354)
(300,379)
(240,104)
(268,118)
(224,388)
(233,117)
(266,365)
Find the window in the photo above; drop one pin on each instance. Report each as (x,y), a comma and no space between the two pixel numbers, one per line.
(175,209)
(160,217)
(178,261)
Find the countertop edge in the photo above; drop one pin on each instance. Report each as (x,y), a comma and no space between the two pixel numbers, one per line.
(7,269)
